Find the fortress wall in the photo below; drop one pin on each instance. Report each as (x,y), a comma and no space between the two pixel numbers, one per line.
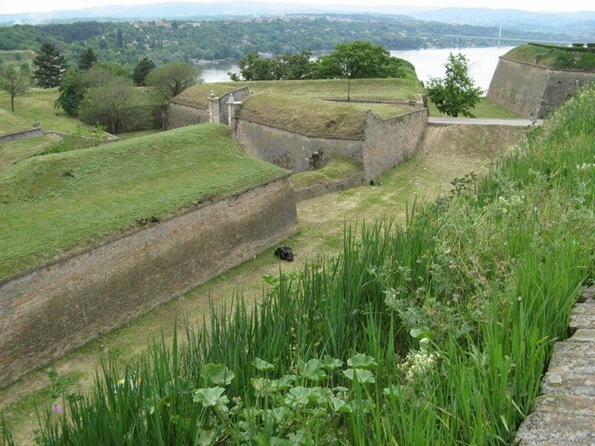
(526,88)
(289,150)
(179,115)
(53,309)
(389,141)
(561,85)
(518,86)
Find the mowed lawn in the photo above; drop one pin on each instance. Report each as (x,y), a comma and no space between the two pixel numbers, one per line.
(55,203)
(37,105)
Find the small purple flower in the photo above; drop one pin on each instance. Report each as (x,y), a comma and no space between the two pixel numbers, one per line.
(58,408)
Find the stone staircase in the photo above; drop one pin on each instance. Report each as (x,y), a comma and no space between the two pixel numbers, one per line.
(564,414)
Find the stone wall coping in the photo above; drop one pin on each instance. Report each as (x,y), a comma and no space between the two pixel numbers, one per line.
(543,67)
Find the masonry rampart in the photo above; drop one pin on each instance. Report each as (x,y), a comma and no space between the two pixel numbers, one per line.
(290,150)
(55,308)
(389,141)
(31,133)
(529,89)
(180,114)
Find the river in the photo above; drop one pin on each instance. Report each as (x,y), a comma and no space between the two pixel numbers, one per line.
(428,63)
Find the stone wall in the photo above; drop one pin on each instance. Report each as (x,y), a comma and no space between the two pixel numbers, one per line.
(37,131)
(53,309)
(529,89)
(386,143)
(389,141)
(289,150)
(181,115)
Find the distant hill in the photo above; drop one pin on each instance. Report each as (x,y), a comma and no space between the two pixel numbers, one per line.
(186,10)
(579,24)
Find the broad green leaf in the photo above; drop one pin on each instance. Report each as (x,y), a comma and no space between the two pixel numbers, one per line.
(311,370)
(362,376)
(263,385)
(210,397)
(262,365)
(299,396)
(340,405)
(328,362)
(205,438)
(392,390)
(361,361)
(218,374)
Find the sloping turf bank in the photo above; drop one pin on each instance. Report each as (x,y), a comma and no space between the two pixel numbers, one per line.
(55,203)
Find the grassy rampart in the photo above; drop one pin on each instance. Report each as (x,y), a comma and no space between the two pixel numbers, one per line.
(55,203)
(555,57)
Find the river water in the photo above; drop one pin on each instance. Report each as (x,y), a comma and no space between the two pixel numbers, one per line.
(428,63)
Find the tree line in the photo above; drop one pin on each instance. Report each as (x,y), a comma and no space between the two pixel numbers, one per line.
(176,40)
(106,94)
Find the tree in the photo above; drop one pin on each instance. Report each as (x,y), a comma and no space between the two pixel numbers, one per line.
(15,83)
(114,104)
(71,93)
(142,70)
(87,59)
(173,78)
(455,93)
(360,59)
(50,67)
(76,83)
(283,67)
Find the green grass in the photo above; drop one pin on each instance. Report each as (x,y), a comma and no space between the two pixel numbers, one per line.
(553,57)
(335,169)
(36,106)
(16,57)
(15,151)
(486,108)
(435,333)
(55,203)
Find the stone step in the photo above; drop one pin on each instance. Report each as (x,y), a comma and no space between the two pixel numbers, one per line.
(559,420)
(583,316)
(571,370)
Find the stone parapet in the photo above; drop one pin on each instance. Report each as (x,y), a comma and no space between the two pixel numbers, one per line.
(564,414)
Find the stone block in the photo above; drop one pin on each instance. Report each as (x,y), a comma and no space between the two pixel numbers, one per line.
(559,420)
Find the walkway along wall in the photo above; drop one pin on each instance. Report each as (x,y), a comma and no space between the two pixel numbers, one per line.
(386,143)
(53,309)
(529,89)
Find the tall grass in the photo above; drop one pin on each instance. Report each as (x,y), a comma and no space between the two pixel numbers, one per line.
(433,333)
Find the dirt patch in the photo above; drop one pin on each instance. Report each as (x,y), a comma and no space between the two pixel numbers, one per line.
(447,152)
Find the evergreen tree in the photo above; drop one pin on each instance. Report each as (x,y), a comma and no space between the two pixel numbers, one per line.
(50,67)
(456,93)
(87,59)
(142,70)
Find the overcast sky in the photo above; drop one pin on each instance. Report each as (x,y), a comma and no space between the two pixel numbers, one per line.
(16,6)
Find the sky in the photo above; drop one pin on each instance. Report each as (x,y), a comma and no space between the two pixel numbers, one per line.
(18,6)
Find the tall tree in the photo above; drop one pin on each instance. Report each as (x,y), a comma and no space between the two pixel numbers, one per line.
(456,93)
(50,67)
(142,70)
(15,83)
(173,78)
(354,60)
(87,59)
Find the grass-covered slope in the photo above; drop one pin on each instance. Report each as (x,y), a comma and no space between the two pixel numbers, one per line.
(432,334)
(555,57)
(54,203)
